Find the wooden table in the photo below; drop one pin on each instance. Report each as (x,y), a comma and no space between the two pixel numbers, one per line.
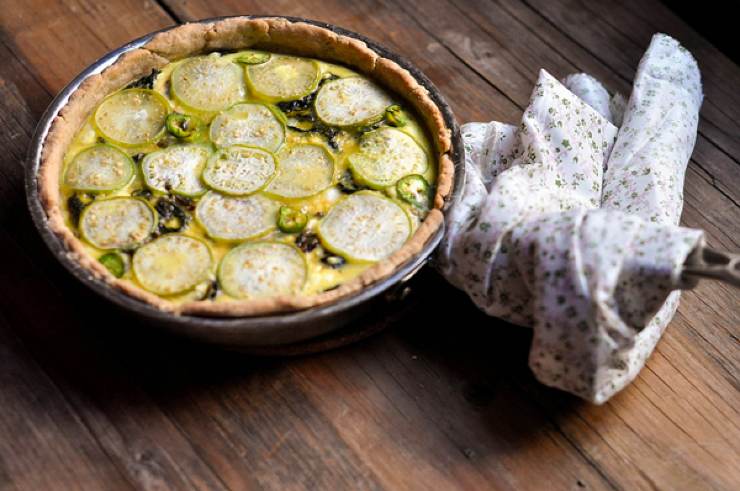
(90,399)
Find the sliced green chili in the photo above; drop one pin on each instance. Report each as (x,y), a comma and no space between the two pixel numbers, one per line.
(253,58)
(414,189)
(395,116)
(114,263)
(290,220)
(180,125)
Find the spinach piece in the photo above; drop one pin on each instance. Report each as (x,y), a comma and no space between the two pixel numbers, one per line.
(146,82)
(173,216)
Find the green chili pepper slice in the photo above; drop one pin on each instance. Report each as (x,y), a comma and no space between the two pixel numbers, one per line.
(114,263)
(180,125)
(290,220)
(414,189)
(395,116)
(253,58)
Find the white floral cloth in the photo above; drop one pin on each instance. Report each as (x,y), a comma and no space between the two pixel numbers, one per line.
(567,223)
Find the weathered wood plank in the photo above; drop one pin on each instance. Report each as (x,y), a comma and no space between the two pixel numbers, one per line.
(138,443)
(618,35)
(44,444)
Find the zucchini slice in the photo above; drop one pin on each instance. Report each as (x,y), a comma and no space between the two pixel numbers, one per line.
(305,170)
(262,269)
(172,264)
(207,83)
(384,156)
(248,124)
(99,168)
(132,117)
(239,170)
(176,169)
(117,223)
(365,227)
(229,218)
(283,78)
(351,101)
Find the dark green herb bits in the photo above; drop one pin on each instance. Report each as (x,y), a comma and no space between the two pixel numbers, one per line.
(114,263)
(146,82)
(290,220)
(253,58)
(347,184)
(76,203)
(173,218)
(142,193)
(415,190)
(395,116)
(307,241)
(181,125)
(211,291)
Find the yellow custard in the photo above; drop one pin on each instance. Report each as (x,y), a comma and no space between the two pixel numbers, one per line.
(213,103)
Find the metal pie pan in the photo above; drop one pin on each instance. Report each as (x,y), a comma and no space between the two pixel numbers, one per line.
(242,332)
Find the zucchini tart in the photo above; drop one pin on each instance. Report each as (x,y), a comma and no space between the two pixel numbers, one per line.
(246,166)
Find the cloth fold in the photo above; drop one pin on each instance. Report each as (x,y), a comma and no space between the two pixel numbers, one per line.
(567,223)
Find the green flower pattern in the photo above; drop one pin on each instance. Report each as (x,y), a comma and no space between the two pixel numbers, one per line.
(567,224)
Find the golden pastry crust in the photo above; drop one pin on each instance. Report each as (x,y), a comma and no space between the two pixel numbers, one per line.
(233,34)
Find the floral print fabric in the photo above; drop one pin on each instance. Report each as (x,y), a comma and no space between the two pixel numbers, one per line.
(567,223)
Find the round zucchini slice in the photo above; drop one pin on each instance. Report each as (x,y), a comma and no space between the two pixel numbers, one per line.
(176,169)
(351,101)
(365,226)
(229,218)
(239,170)
(248,124)
(283,78)
(99,168)
(132,117)
(384,156)
(172,264)
(262,269)
(305,170)
(207,83)
(117,223)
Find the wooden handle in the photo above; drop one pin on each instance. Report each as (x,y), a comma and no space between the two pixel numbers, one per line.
(704,262)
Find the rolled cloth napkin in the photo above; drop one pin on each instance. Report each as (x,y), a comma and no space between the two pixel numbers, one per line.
(567,223)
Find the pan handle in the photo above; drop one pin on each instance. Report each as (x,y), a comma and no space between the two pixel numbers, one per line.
(704,262)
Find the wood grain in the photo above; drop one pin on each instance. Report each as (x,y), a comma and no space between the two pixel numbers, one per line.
(93,399)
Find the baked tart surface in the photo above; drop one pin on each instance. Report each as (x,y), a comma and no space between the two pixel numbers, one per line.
(232,169)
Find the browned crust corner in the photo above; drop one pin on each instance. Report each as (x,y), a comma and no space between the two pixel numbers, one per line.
(239,33)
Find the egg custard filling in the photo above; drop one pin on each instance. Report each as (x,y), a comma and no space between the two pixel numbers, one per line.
(246,175)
